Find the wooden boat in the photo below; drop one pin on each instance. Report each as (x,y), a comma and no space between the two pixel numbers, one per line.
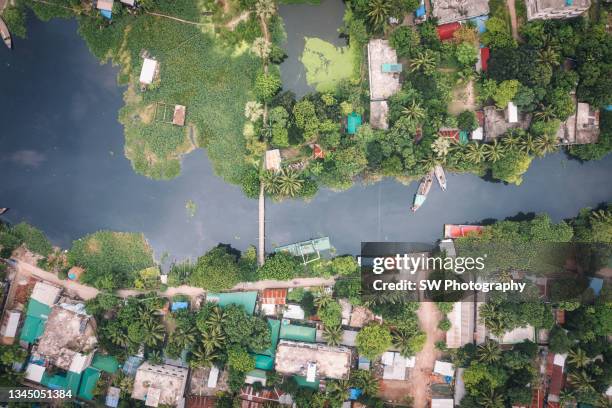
(422,191)
(5,34)
(439,171)
(3,210)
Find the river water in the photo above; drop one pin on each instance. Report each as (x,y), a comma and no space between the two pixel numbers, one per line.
(62,169)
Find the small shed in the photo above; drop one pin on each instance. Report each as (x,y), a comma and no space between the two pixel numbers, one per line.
(129,2)
(112,397)
(273,160)
(147,73)
(34,373)
(179,115)
(444,369)
(10,324)
(421,11)
(105,5)
(392,68)
(446,31)
(512,113)
(353,123)
(176,306)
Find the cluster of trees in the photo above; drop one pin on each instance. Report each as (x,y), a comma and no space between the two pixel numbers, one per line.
(11,237)
(494,378)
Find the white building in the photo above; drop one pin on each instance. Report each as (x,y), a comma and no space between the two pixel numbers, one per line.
(147,73)
(555,9)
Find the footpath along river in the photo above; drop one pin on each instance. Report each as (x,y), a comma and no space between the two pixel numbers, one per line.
(62,168)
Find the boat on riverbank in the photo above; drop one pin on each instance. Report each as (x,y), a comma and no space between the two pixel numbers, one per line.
(423,191)
(3,210)
(440,176)
(5,34)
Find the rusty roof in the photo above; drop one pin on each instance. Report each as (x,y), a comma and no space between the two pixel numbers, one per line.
(274,296)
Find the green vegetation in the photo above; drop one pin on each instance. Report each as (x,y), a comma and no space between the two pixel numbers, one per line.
(216,270)
(111,259)
(326,65)
(11,237)
(15,19)
(373,340)
(10,355)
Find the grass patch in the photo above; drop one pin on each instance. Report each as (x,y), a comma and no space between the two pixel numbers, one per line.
(211,80)
(326,65)
(111,259)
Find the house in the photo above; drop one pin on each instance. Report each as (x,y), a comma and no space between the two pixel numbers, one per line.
(442,403)
(462,325)
(444,369)
(555,9)
(69,338)
(516,336)
(160,384)
(148,71)
(313,361)
(383,82)
(483,59)
(353,123)
(449,11)
(178,118)
(582,127)
(273,160)
(271,300)
(208,381)
(497,122)
(478,133)
(556,377)
(395,365)
(447,31)
(451,133)
(10,323)
(129,2)
(112,397)
(248,300)
(105,5)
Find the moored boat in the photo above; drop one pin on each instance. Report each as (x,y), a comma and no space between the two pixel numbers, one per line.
(3,210)
(439,171)
(5,34)
(422,191)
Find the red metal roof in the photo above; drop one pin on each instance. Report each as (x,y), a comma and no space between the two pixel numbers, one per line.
(195,401)
(446,31)
(556,381)
(448,132)
(538,399)
(560,316)
(256,399)
(274,296)
(457,231)
(317,152)
(484,57)
(480,117)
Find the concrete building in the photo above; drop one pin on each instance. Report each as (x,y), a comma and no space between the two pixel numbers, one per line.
(448,11)
(160,384)
(148,71)
(582,127)
(383,82)
(313,361)
(555,9)
(462,325)
(10,323)
(497,122)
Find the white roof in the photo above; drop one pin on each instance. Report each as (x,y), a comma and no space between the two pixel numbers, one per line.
(517,335)
(273,160)
(268,309)
(294,312)
(148,71)
(45,293)
(444,368)
(12,322)
(512,113)
(349,338)
(559,360)
(346,311)
(387,358)
(311,373)
(213,377)
(79,363)
(128,2)
(410,362)
(478,133)
(396,370)
(459,385)
(609,391)
(34,373)
(442,403)
(152,398)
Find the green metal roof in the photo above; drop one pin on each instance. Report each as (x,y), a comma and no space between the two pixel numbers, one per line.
(244,299)
(105,363)
(37,309)
(298,333)
(353,122)
(301,381)
(89,380)
(55,382)
(33,328)
(257,374)
(274,326)
(263,362)
(391,68)
(463,137)
(72,382)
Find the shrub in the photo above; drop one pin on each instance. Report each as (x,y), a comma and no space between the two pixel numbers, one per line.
(267,85)
(280,266)
(33,238)
(444,324)
(373,340)
(216,270)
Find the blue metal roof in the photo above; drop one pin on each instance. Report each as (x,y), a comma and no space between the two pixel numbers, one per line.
(106,14)
(179,306)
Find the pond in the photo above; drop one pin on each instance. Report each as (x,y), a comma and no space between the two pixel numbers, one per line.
(63,170)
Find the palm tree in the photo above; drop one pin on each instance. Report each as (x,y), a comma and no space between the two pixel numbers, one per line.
(183,337)
(511,141)
(323,299)
(489,352)
(414,112)
(489,316)
(601,216)
(546,113)
(366,381)
(155,357)
(401,341)
(289,183)
(213,339)
(215,319)
(566,399)
(203,357)
(379,12)
(117,336)
(581,381)
(338,390)
(154,332)
(545,144)
(494,151)
(578,358)
(441,146)
(475,152)
(548,56)
(424,61)
(491,400)
(429,162)
(332,335)
(270,181)
(603,402)
(527,144)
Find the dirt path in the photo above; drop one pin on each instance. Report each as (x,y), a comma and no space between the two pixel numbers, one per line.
(244,16)
(513,19)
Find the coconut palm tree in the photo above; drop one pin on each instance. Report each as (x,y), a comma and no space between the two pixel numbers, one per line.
(213,339)
(581,381)
(511,141)
(441,146)
(603,402)
(489,316)
(270,181)
(117,336)
(546,113)
(494,151)
(545,144)
(154,333)
(379,12)
(491,400)
(338,390)
(475,152)
(489,352)
(548,56)
(203,357)
(601,216)
(527,144)
(413,111)
(155,357)
(366,381)
(566,399)
(184,337)
(424,61)
(578,358)
(401,341)
(323,299)
(429,162)
(264,9)
(289,183)
(215,319)
(332,335)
